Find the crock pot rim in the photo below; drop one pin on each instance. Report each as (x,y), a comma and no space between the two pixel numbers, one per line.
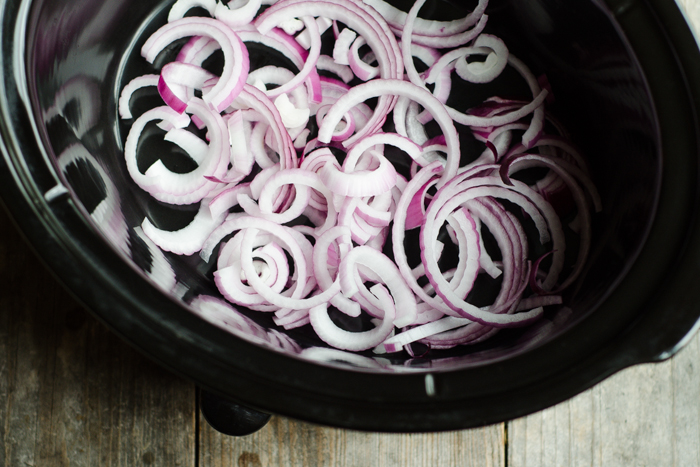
(299,398)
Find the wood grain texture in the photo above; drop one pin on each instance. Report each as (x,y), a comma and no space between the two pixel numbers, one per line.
(71,393)
(692,11)
(648,415)
(288,443)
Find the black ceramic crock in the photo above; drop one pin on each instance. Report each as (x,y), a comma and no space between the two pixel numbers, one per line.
(626,77)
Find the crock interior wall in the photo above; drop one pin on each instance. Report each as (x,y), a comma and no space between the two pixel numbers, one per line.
(600,96)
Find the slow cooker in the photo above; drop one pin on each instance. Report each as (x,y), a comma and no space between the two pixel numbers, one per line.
(626,76)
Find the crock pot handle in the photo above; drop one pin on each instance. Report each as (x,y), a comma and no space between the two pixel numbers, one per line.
(230,418)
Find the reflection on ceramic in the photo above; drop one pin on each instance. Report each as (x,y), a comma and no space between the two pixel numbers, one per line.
(80,90)
(224,315)
(95,190)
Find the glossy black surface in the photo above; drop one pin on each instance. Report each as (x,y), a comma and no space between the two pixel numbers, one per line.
(230,418)
(625,80)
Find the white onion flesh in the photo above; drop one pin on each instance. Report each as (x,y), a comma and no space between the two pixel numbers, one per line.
(302,216)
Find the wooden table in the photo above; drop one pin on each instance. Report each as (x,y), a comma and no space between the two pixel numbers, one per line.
(72,394)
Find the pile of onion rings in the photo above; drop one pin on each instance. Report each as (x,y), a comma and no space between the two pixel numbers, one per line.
(302,200)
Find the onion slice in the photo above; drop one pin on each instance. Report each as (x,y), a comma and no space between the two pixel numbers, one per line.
(236,62)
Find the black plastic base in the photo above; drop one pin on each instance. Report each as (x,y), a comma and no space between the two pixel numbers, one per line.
(230,418)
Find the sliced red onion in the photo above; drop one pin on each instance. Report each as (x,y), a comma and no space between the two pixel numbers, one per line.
(188,240)
(292,117)
(329,64)
(362,69)
(301,140)
(181,7)
(384,87)
(362,19)
(293,320)
(415,211)
(343,133)
(289,46)
(531,160)
(487,264)
(223,200)
(409,147)
(133,85)
(303,180)
(268,267)
(453,41)
(424,176)
(512,243)
(486,71)
(387,272)
(340,235)
(435,216)
(165,114)
(278,76)
(197,49)
(397,18)
(406,44)
(294,242)
(253,98)
(471,120)
(239,16)
(262,178)
(291,26)
(296,208)
(467,238)
(304,38)
(442,64)
(178,74)
(230,253)
(427,55)
(339,338)
(396,343)
(440,41)
(191,187)
(296,299)
(270,264)
(258,148)
(341,48)
(314,162)
(374,217)
(360,182)
(310,62)
(235,54)
(242,159)
(282,43)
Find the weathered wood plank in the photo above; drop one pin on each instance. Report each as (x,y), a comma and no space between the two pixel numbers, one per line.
(288,443)
(73,394)
(647,415)
(686,405)
(692,10)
